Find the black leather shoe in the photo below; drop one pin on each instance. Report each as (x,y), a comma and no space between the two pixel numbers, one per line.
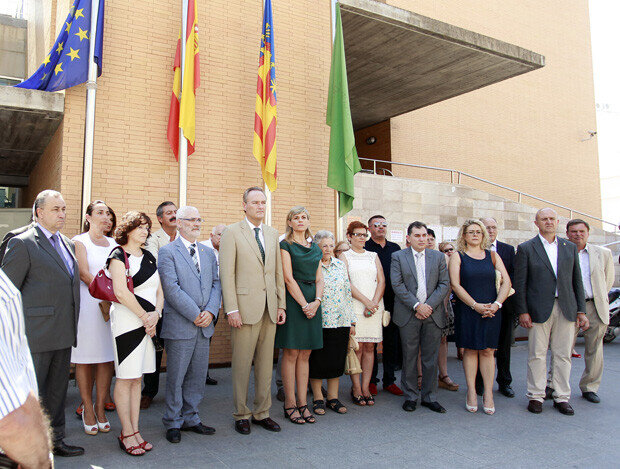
(210,381)
(66,451)
(173,435)
(243,426)
(267,424)
(591,396)
(564,408)
(409,406)
(548,393)
(535,407)
(435,407)
(280,394)
(507,391)
(200,429)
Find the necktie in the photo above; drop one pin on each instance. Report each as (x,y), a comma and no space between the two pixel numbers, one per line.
(56,243)
(260,245)
(421,293)
(192,252)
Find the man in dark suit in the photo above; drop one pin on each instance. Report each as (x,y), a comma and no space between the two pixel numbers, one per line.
(507,254)
(420,282)
(549,300)
(12,234)
(41,264)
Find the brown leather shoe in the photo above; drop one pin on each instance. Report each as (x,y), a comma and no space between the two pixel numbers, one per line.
(267,424)
(243,426)
(145,402)
(535,407)
(564,408)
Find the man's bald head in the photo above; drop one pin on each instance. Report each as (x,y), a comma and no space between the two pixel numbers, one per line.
(547,221)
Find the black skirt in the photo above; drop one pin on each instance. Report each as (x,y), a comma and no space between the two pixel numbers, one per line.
(328,362)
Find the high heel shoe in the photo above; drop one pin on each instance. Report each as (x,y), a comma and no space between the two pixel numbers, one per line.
(130,450)
(488,410)
(471,408)
(104,427)
(90,429)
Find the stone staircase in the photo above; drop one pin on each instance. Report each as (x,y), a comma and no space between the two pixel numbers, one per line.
(444,207)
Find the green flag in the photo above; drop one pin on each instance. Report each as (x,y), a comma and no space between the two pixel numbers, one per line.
(343,161)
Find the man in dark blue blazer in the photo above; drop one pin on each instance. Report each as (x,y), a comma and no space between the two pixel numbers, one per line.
(192,297)
(507,254)
(550,299)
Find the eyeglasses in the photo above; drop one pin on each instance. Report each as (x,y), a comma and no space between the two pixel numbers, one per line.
(360,235)
(476,232)
(380,223)
(192,220)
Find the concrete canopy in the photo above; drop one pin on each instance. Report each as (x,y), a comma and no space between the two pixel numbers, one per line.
(28,121)
(399,61)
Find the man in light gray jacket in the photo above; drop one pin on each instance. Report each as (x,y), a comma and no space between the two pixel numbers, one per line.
(420,282)
(192,294)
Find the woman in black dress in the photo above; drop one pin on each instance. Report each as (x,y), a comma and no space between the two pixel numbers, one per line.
(476,318)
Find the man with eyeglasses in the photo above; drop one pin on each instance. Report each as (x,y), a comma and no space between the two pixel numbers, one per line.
(392,355)
(507,253)
(167,216)
(192,298)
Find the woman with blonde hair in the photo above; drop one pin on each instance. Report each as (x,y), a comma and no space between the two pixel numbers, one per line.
(477,318)
(303,330)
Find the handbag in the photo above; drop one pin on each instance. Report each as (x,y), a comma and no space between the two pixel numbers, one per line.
(352,364)
(385,319)
(101,287)
(498,283)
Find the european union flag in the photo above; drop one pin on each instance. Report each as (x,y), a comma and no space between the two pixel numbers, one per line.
(67,63)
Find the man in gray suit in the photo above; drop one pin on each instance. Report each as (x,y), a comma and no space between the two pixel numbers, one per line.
(420,282)
(41,264)
(549,300)
(192,297)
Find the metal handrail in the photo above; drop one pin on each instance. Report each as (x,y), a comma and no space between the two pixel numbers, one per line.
(459,173)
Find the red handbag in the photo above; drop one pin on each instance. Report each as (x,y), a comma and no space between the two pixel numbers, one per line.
(101,286)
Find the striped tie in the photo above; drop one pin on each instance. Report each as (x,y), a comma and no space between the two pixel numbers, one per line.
(260,245)
(192,252)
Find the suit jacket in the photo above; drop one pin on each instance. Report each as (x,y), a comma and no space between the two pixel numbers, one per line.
(51,297)
(404,279)
(506,253)
(12,234)
(602,277)
(535,282)
(186,291)
(158,240)
(248,284)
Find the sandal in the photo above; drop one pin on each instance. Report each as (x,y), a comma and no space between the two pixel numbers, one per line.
(109,406)
(336,406)
(318,407)
(358,400)
(131,451)
(446,383)
(144,443)
(310,418)
(289,415)
(370,400)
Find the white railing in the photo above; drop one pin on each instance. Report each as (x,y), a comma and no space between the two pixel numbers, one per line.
(456,176)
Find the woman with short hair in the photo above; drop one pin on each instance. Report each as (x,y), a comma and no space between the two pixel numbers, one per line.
(477,318)
(338,323)
(133,320)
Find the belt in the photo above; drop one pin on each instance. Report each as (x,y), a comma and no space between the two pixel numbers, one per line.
(306,282)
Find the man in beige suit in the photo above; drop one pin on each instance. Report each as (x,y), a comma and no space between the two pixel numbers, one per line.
(254,301)
(597,272)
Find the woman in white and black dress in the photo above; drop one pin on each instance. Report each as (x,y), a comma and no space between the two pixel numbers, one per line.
(133,322)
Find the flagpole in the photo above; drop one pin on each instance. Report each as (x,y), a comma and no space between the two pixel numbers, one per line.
(182,139)
(89,124)
(339,220)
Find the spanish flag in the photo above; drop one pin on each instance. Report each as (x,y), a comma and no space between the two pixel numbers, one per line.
(183,102)
(266,116)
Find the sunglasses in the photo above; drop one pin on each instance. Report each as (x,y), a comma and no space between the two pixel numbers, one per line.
(380,223)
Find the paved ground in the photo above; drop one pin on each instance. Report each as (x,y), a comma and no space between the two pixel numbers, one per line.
(384,435)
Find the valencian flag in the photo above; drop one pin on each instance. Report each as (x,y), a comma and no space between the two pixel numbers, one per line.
(183,101)
(66,65)
(266,118)
(343,160)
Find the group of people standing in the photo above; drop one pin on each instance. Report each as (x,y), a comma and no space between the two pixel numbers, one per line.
(304,294)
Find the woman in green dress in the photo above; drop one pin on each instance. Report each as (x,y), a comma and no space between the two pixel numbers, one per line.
(303,330)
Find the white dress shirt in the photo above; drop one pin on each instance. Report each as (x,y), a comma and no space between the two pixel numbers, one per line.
(584,264)
(187,245)
(420,265)
(493,246)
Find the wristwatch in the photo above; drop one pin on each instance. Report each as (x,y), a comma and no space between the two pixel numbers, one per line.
(497,303)
(319,298)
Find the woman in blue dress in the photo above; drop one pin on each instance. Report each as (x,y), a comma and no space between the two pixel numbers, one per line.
(477,318)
